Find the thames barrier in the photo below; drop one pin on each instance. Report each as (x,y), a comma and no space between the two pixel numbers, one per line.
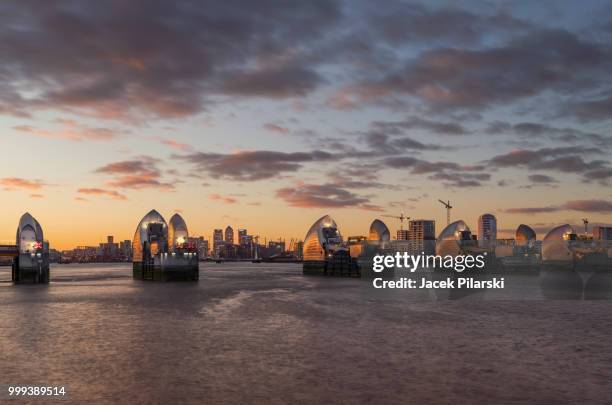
(30,253)
(161,251)
(562,248)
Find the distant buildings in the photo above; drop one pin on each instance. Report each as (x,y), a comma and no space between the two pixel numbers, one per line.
(487,229)
(125,247)
(218,242)
(277,246)
(299,250)
(402,234)
(246,247)
(81,254)
(229,235)
(242,233)
(201,245)
(602,232)
(422,236)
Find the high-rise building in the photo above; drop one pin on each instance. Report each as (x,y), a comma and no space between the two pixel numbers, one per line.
(277,246)
(242,233)
(422,236)
(108,251)
(201,245)
(125,248)
(402,234)
(217,241)
(204,249)
(487,229)
(602,233)
(299,249)
(229,235)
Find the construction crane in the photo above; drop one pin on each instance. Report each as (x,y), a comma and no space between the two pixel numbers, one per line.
(586,224)
(448,207)
(401,217)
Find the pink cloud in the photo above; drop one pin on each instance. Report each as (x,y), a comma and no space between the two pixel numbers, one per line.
(276,128)
(11,183)
(98,191)
(224,199)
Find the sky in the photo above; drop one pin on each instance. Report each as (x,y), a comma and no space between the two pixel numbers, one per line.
(268,115)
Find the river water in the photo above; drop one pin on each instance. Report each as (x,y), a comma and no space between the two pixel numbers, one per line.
(263,333)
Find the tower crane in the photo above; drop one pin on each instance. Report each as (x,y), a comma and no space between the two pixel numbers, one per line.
(401,217)
(586,224)
(448,207)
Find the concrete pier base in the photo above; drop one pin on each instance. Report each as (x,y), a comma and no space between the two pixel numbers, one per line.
(27,271)
(337,265)
(152,272)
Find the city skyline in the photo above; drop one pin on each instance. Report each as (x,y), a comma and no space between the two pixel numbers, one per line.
(397,233)
(267,118)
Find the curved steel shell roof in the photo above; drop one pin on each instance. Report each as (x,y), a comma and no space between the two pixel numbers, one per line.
(177,231)
(379,231)
(29,233)
(321,235)
(449,240)
(555,245)
(142,232)
(524,234)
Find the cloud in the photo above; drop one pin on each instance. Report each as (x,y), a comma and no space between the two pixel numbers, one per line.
(451,174)
(252,165)
(438,25)
(461,179)
(362,183)
(224,199)
(542,179)
(531,130)
(592,206)
(72,132)
(12,183)
(269,126)
(599,206)
(98,191)
(431,126)
(175,59)
(272,82)
(602,175)
(174,144)
(129,166)
(324,196)
(135,174)
(449,78)
(383,144)
(156,60)
(36,195)
(562,159)
(590,110)
(532,210)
